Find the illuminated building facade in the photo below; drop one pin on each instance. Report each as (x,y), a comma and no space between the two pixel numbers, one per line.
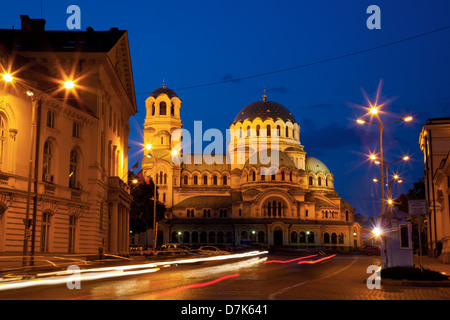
(240,196)
(434,141)
(79,199)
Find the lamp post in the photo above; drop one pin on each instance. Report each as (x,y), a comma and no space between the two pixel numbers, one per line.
(374,110)
(35,96)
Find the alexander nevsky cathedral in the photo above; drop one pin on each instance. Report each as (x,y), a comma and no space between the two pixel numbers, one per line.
(264,189)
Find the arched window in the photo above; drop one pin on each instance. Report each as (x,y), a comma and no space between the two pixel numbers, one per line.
(185,179)
(162,108)
(215,180)
(294,237)
(172,111)
(195,237)
(188,213)
(302,237)
(212,237)
(165,178)
(268,130)
(224,180)
(287,132)
(203,237)
(47,162)
(195,180)
(254,175)
(310,181)
(326,238)
(261,238)
(283,176)
(205,179)
(278,130)
(3,129)
(257,130)
(333,238)
(220,237)
(290,176)
(346,215)
(326,182)
(186,237)
(248,131)
(319,181)
(311,237)
(153,108)
(73,170)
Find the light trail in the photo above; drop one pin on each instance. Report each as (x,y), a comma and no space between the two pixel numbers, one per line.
(316,261)
(288,261)
(191,286)
(68,276)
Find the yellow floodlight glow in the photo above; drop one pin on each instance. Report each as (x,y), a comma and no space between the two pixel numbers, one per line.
(174,152)
(376,231)
(373,157)
(406,158)
(69,84)
(408,118)
(7,77)
(396,177)
(373,110)
(360,121)
(375,180)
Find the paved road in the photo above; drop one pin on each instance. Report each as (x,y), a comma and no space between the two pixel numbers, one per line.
(269,277)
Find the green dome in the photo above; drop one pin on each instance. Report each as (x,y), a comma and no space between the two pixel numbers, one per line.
(315,165)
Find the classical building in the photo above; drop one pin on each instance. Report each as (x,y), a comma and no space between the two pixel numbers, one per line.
(265,188)
(434,141)
(64,152)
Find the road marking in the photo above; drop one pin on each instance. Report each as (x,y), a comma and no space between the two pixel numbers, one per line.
(273,295)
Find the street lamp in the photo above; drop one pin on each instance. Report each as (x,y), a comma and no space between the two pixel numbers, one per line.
(374,111)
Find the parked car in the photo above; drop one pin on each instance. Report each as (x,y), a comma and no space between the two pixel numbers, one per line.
(211,250)
(372,251)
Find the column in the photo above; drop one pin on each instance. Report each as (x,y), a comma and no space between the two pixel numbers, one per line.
(113,228)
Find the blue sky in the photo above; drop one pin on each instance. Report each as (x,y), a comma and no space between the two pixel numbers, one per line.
(190,43)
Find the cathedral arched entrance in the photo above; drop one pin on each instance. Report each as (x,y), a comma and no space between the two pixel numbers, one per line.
(277,236)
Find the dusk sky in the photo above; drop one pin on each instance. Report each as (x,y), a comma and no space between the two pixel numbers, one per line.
(193,43)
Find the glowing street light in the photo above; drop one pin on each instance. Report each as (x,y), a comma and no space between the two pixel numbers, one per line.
(376,231)
(7,77)
(69,84)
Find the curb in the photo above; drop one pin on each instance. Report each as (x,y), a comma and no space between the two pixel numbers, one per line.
(414,283)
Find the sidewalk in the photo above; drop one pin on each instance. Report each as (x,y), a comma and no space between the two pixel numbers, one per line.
(432,264)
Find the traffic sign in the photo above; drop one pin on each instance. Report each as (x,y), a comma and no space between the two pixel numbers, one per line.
(416,207)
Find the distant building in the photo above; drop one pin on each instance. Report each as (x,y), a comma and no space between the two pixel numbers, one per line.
(79,199)
(240,197)
(434,141)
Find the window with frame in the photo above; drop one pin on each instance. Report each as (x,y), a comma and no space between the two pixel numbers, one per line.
(73,170)
(45,231)
(3,129)
(76,129)
(72,233)
(51,119)
(47,162)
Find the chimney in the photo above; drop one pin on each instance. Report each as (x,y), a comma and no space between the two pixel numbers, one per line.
(32,25)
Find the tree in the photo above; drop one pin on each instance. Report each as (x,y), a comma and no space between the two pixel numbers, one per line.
(141,210)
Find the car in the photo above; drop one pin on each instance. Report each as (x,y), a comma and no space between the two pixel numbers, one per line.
(211,250)
(372,251)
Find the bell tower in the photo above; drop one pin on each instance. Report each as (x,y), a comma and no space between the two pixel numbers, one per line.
(162,119)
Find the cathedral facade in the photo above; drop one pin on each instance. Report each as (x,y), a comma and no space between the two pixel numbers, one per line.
(264,189)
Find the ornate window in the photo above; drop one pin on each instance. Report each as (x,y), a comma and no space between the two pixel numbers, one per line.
(205,179)
(45,231)
(3,129)
(72,233)
(310,181)
(274,208)
(224,180)
(73,170)
(47,162)
(268,130)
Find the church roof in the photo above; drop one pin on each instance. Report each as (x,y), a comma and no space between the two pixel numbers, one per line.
(169,92)
(205,202)
(265,109)
(315,165)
